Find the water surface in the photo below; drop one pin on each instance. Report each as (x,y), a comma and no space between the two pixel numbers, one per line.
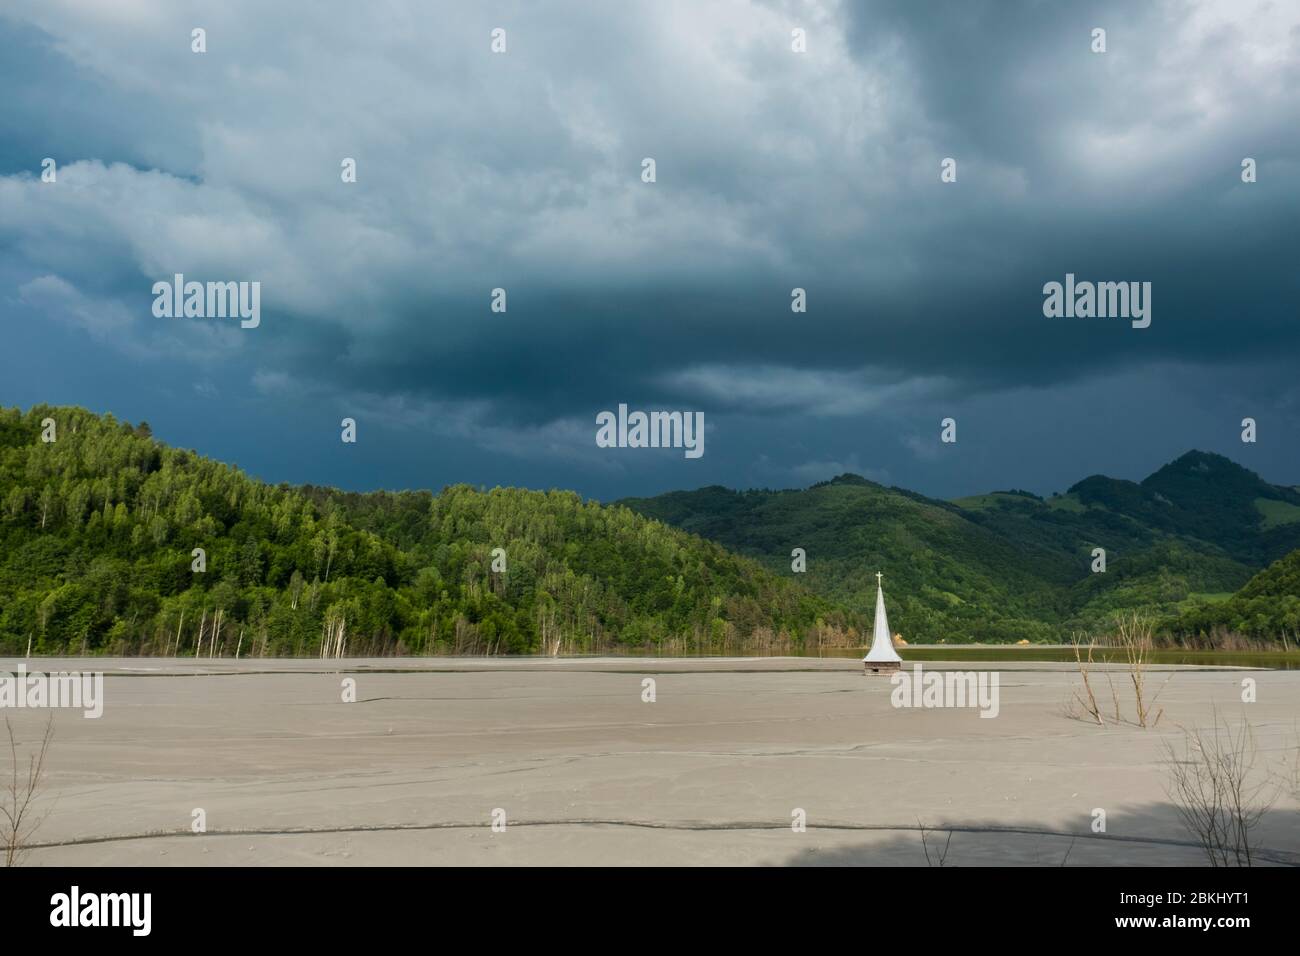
(1275,660)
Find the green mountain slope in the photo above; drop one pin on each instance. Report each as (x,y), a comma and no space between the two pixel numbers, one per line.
(97,531)
(1010,565)
(1167,540)
(947,577)
(1208,498)
(1266,607)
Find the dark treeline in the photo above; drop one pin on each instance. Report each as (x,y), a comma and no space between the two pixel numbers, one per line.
(98,530)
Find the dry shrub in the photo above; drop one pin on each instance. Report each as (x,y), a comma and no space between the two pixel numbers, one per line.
(1212,784)
(1086,702)
(18,821)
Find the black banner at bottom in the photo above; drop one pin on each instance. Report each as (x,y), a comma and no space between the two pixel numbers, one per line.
(307,905)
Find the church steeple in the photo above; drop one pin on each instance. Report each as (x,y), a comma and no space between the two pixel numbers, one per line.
(882,658)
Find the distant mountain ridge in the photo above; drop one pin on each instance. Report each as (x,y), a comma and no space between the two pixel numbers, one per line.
(1010,565)
(1209,497)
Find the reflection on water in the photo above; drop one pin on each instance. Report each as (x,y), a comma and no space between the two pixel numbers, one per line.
(1276,660)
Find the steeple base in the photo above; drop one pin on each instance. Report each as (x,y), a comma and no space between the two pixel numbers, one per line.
(875,668)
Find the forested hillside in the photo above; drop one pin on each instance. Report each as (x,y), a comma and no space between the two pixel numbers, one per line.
(946,577)
(1267,607)
(98,530)
(1010,565)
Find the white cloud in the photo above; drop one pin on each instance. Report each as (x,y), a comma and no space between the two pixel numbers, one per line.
(801,391)
(926,449)
(812,472)
(110,323)
(268,382)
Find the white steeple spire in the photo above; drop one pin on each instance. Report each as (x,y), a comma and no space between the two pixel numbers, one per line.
(882,641)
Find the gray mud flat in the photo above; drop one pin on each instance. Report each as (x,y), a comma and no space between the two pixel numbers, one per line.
(586,772)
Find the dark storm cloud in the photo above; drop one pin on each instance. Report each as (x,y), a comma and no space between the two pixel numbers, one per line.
(775,170)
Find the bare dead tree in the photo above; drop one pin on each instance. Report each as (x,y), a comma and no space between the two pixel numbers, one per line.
(552,635)
(19,822)
(216,632)
(1114,698)
(939,857)
(1134,636)
(1212,784)
(1134,633)
(333,636)
(1065,859)
(198,649)
(1087,701)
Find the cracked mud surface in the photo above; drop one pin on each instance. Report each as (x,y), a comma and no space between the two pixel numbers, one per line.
(587,773)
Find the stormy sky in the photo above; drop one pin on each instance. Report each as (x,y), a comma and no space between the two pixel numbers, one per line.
(774,169)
